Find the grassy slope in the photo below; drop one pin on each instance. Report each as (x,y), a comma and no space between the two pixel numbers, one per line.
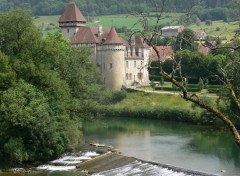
(44,20)
(226,29)
(141,99)
(130,21)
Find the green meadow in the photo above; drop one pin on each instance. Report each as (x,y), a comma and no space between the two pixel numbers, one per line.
(142,99)
(217,29)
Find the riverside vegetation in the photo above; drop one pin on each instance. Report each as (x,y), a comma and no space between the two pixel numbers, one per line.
(140,104)
(46,88)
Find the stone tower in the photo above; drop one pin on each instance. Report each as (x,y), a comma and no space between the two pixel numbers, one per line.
(113,70)
(71,20)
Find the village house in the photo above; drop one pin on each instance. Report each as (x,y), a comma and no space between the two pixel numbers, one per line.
(206,46)
(200,34)
(171,31)
(165,53)
(120,63)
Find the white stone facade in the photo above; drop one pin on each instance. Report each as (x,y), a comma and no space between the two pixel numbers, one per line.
(119,63)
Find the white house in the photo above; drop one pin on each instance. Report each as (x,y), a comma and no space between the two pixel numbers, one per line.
(120,63)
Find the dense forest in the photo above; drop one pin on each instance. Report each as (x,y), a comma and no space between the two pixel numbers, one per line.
(46,87)
(210,9)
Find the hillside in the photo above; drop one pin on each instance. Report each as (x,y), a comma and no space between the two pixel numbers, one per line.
(107,7)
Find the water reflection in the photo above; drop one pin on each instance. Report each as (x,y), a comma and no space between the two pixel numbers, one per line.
(177,144)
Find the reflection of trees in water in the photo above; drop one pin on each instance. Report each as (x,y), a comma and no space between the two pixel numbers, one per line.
(219,144)
(204,141)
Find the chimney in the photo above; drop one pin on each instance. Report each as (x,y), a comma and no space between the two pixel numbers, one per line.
(133,42)
(100,30)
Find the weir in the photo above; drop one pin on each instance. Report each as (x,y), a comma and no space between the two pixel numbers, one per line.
(116,164)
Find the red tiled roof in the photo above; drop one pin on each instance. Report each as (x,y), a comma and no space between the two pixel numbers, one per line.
(206,46)
(87,35)
(84,35)
(165,52)
(113,37)
(140,43)
(72,14)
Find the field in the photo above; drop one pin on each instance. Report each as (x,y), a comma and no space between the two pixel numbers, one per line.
(130,21)
(218,28)
(225,29)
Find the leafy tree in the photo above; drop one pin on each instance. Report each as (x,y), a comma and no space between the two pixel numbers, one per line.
(45,87)
(186,40)
(229,72)
(7,75)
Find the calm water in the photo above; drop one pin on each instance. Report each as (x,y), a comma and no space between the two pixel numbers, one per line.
(197,148)
(191,147)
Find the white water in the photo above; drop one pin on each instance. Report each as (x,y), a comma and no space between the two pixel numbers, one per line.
(68,161)
(138,168)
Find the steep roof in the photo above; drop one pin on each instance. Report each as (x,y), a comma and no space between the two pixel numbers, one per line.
(84,35)
(113,37)
(165,52)
(140,43)
(73,14)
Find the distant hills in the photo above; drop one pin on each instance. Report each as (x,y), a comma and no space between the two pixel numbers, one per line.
(210,9)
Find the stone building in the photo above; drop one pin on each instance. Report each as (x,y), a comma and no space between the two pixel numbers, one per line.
(120,63)
(171,31)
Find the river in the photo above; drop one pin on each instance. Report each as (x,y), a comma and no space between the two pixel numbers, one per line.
(191,147)
(187,146)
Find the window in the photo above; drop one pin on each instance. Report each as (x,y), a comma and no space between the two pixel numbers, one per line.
(135,63)
(67,30)
(140,75)
(110,65)
(126,64)
(126,76)
(130,76)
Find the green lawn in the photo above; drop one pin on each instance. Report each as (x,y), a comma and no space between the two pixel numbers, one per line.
(45,20)
(141,99)
(226,29)
(130,21)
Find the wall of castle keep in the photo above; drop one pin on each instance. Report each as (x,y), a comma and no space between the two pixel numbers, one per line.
(113,72)
(68,32)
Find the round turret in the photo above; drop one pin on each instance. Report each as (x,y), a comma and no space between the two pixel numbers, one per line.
(113,61)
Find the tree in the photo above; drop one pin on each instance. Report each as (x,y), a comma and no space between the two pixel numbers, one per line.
(229,77)
(46,86)
(186,40)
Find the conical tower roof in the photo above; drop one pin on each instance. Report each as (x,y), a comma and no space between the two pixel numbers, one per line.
(113,37)
(72,14)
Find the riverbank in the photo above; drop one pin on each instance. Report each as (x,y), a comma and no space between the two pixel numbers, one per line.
(148,105)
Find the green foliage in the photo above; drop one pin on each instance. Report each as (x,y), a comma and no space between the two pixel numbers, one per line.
(94,7)
(45,87)
(7,75)
(118,96)
(200,84)
(186,41)
(15,151)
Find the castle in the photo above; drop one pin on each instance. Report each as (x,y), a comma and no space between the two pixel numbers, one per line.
(120,63)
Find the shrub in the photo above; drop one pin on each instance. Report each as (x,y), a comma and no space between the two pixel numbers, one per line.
(218,29)
(14,150)
(118,96)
